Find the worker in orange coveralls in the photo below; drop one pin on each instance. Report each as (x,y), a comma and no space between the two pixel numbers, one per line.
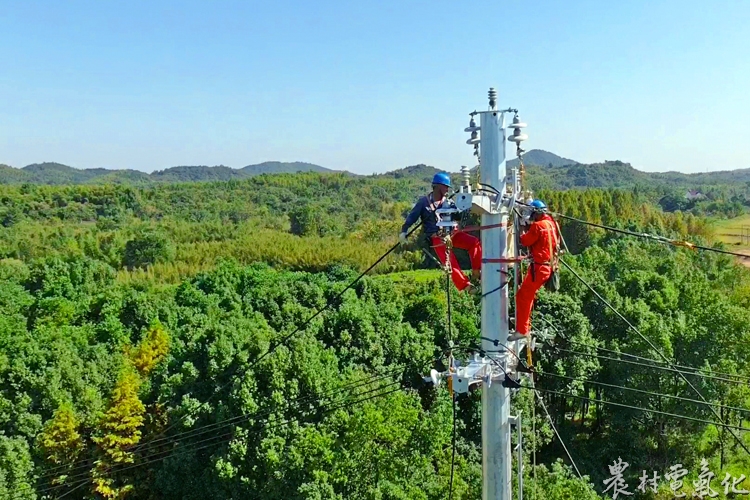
(542,238)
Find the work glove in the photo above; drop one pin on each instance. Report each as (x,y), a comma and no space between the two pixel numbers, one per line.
(402,237)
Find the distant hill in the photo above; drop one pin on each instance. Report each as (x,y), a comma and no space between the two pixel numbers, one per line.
(10,175)
(277,167)
(545,170)
(222,173)
(196,173)
(541,158)
(57,173)
(617,174)
(422,172)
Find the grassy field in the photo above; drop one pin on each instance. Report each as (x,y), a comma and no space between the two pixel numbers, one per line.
(730,232)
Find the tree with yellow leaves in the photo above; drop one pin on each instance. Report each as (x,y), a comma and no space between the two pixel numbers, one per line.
(151,350)
(120,428)
(61,441)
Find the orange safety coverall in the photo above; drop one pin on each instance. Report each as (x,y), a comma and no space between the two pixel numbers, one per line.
(542,240)
(466,242)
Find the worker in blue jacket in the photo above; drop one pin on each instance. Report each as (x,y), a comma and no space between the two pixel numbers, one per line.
(425,209)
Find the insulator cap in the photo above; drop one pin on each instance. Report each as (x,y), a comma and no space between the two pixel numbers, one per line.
(492,94)
(472,126)
(518,137)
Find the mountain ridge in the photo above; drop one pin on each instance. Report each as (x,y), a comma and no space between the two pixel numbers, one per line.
(545,170)
(54,173)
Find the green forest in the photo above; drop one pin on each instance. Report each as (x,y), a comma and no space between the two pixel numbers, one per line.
(156,342)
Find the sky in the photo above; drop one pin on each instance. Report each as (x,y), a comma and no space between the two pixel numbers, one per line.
(371,86)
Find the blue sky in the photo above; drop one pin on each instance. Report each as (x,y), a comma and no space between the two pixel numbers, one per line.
(371,86)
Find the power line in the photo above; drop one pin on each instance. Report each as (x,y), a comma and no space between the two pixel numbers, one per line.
(653,237)
(292,404)
(659,364)
(638,408)
(688,370)
(695,370)
(662,355)
(348,387)
(645,365)
(453,395)
(284,339)
(220,437)
(453,447)
(533,435)
(648,393)
(549,417)
(192,448)
(304,325)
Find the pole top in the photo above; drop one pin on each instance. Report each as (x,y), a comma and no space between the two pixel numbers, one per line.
(492,94)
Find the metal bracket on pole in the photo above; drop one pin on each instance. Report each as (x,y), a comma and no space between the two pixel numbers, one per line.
(478,203)
(479,370)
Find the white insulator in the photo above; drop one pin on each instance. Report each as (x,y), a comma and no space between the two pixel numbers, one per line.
(472,126)
(517,137)
(474,139)
(492,94)
(517,123)
(435,377)
(466,175)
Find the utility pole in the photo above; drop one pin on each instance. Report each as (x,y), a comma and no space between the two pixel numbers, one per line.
(495,202)
(496,456)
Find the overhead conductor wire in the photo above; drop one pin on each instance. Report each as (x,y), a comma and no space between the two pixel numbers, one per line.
(345,404)
(453,394)
(653,237)
(286,338)
(656,349)
(549,417)
(210,428)
(659,365)
(293,404)
(304,325)
(638,408)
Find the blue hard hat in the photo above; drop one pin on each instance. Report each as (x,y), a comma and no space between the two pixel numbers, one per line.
(539,204)
(441,178)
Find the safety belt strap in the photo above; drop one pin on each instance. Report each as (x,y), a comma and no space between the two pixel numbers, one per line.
(553,236)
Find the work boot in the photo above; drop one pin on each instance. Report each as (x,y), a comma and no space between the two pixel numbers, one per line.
(472,289)
(476,276)
(516,336)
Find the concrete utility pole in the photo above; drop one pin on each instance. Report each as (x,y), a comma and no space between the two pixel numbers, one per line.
(495,202)
(496,456)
